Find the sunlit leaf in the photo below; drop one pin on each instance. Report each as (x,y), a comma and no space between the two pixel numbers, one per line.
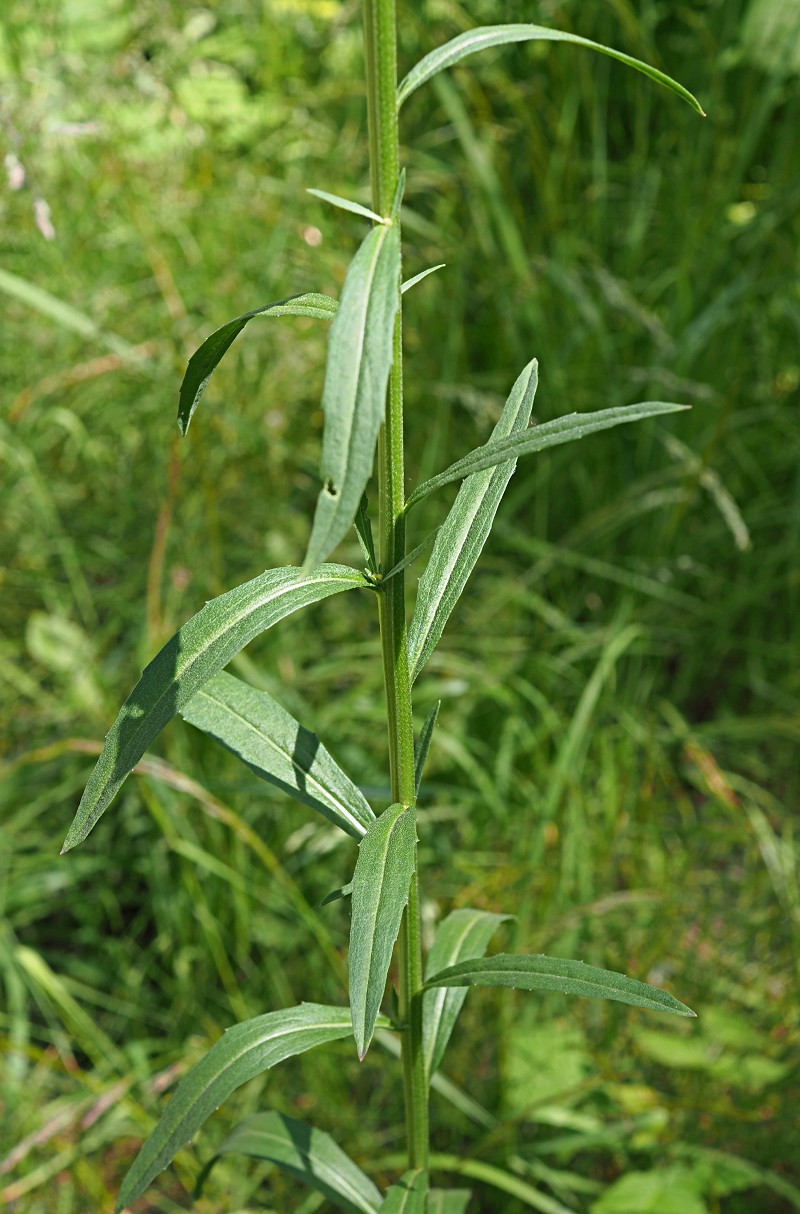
(412,282)
(448,1201)
(409,1195)
(344,204)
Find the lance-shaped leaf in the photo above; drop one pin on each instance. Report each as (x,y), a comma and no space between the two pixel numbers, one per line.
(497,35)
(537,438)
(269,740)
(422,745)
(409,1195)
(244,1051)
(540,973)
(208,356)
(464,934)
(202,647)
(346,204)
(354,395)
(385,865)
(465,530)
(448,1201)
(308,1154)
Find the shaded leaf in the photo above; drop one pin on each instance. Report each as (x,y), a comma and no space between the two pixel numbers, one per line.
(409,1195)
(540,973)
(363,525)
(244,1051)
(276,747)
(385,865)
(344,204)
(354,396)
(208,356)
(497,35)
(423,744)
(463,934)
(198,651)
(336,895)
(465,530)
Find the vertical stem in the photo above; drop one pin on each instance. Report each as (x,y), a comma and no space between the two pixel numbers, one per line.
(380,37)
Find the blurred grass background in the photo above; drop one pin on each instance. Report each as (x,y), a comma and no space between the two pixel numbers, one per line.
(616,756)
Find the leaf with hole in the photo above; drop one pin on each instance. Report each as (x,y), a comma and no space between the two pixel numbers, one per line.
(209,355)
(197,652)
(276,747)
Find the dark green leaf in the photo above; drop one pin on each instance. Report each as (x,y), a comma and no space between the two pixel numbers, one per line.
(423,744)
(277,748)
(385,865)
(497,35)
(540,973)
(364,532)
(204,645)
(336,895)
(409,1195)
(208,356)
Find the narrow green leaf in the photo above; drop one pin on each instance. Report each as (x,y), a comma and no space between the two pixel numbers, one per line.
(497,35)
(276,747)
(354,396)
(466,528)
(197,652)
(410,557)
(501,1180)
(208,356)
(337,894)
(448,1201)
(308,1154)
(244,1051)
(363,525)
(412,282)
(409,1195)
(423,744)
(385,865)
(464,934)
(540,973)
(344,204)
(537,438)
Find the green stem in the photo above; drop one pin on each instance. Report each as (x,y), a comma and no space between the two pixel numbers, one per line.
(380,36)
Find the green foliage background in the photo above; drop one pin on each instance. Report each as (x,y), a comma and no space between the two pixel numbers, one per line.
(615,761)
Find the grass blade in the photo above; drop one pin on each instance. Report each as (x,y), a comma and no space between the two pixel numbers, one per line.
(540,973)
(498,35)
(197,652)
(464,934)
(308,1154)
(409,1195)
(465,530)
(354,395)
(246,1050)
(344,204)
(537,438)
(276,747)
(385,865)
(208,356)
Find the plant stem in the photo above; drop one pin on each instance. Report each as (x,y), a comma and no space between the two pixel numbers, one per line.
(380,37)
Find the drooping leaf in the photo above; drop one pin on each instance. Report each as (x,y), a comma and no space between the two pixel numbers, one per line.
(448,1201)
(244,1051)
(541,973)
(423,744)
(208,356)
(344,204)
(385,865)
(412,282)
(537,438)
(308,1154)
(409,1195)
(198,651)
(497,35)
(465,530)
(463,935)
(276,747)
(354,396)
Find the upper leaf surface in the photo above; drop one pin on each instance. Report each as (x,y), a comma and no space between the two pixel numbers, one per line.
(269,740)
(202,647)
(385,865)
(208,356)
(409,1195)
(308,1154)
(541,973)
(497,35)
(448,1201)
(354,395)
(241,1053)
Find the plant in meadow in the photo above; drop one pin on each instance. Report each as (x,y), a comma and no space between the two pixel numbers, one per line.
(362,402)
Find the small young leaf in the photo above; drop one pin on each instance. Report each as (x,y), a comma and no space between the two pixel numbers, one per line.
(497,35)
(277,748)
(246,1050)
(466,529)
(385,865)
(209,355)
(354,396)
(412,282)
(463,934)
(344,204)
(540,973)
(198,651)
(336,895)
(363,526)
(308,1154)
(410,557)
(409,1195)
(537,438)
(423,744)
(448,1201)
